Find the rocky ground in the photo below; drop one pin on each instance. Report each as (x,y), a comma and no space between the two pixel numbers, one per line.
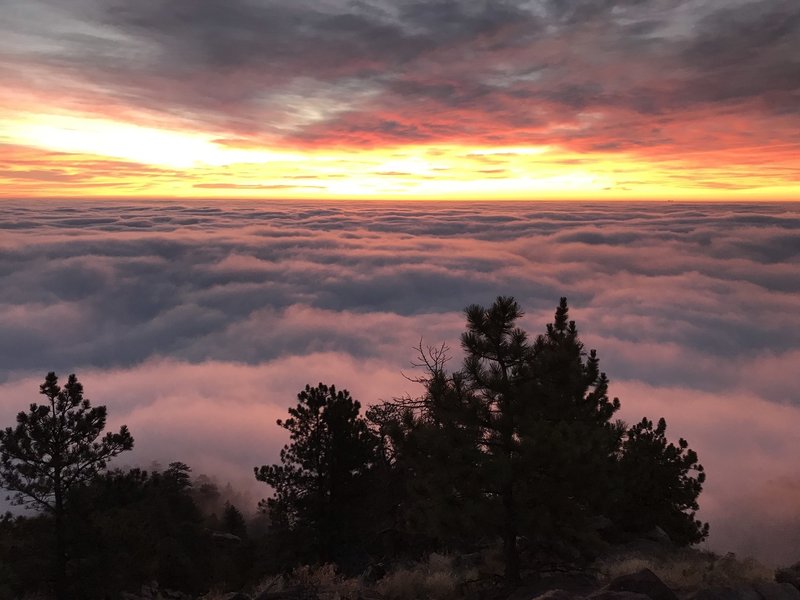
(689,575)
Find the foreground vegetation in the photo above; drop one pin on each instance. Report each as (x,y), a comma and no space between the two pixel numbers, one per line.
(516,455)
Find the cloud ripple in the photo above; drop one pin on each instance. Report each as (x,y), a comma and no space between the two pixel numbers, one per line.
(198,322)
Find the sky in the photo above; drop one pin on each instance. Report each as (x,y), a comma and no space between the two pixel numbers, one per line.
(399,99)
(197,322)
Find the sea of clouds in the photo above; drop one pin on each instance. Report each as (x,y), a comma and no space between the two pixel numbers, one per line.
(197,323)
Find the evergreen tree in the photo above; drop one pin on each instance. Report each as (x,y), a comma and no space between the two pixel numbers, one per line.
(54,449)
(139,526)
(233,520)
(437,498)
(569,440)
(322,479)
(496,368)
(547,433)
(659,484)
(519,440)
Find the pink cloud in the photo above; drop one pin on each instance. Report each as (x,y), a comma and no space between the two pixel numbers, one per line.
(748,447)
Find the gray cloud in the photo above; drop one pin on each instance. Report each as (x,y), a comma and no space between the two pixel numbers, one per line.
(693,309)
(482,71)
(126,283)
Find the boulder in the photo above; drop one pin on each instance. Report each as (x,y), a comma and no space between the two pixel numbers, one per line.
(152,591)
(756,591)
(558,595)
(234,596)
(295,592)
(790,575)
(173,595)
(745,592)
(777,591)
(618,595)
(642,582)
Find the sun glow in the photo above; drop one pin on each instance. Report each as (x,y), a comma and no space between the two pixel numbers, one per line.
(145,145)
(72,155)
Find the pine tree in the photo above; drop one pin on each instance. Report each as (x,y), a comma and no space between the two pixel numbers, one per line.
(570,441)
(432,459)
(496,368)
(525,430)
(659,484)
(233,520)
(54,449)
(322,477)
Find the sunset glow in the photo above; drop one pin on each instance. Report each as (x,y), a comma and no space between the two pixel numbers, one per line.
(518,100)
(481,252)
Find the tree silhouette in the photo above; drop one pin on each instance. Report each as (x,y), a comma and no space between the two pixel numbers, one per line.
(233,520)
(496,368)
(547,433)
(570,442)
(659,484)
(460,442)
(53,449)
(435,489)
(521,440)
(321,479)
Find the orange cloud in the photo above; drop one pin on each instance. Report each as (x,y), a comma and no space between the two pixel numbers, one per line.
(627,103)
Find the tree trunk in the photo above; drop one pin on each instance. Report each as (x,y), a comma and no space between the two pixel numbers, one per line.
(510,554)
(61,550)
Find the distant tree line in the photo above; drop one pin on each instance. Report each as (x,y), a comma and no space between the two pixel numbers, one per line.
(518,447)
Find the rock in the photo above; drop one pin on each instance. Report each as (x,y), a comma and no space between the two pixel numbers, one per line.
(151,591)
(234,596)
(228,596)
(172,595)
(757,591)
(618,595)
(727,593)
(790,575)
(777,591)
(290,593)
(558,595)
(642,582)
(369,595)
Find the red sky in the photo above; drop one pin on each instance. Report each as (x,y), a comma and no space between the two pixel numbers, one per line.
(467,99)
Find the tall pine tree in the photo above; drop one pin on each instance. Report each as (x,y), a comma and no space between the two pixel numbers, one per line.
(323,476)
(55,448)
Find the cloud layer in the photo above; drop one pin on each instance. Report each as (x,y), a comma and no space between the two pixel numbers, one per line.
(197,323)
